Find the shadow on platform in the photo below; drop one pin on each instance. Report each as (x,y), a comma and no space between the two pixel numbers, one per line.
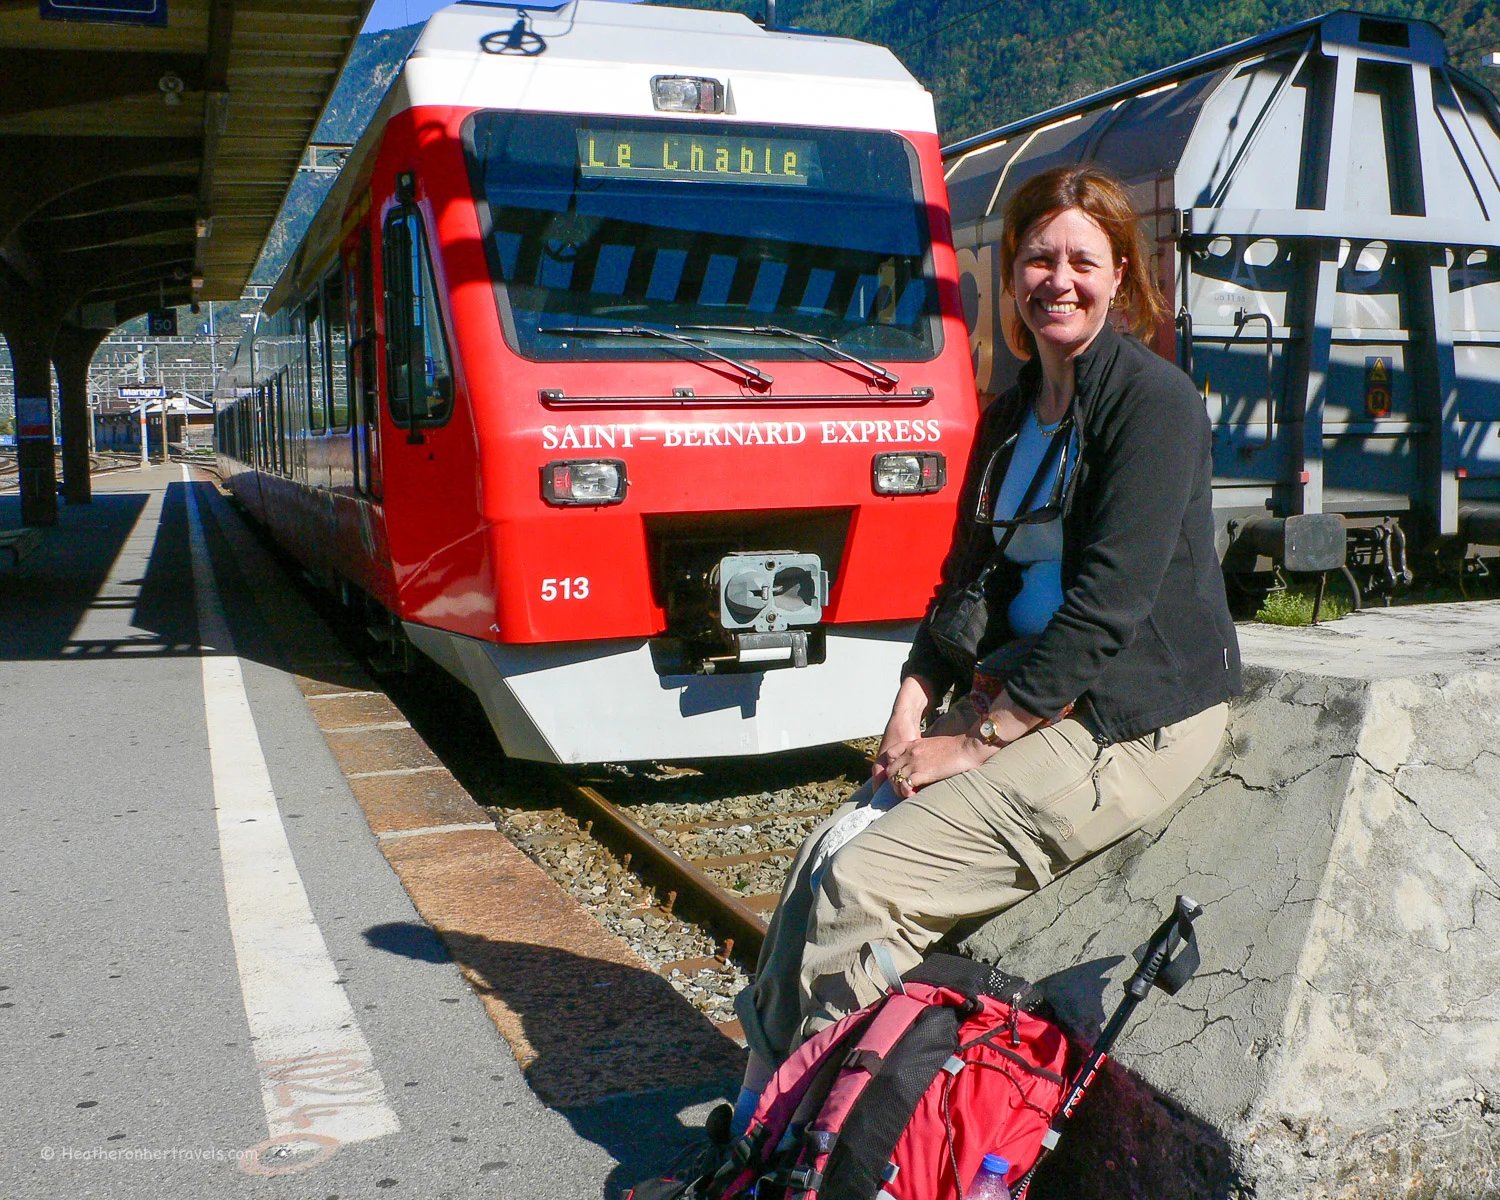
(104,584)
(583,1028)
(46,597)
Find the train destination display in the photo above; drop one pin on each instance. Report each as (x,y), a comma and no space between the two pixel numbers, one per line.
(650,154)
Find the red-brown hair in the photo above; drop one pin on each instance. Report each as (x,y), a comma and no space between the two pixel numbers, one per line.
(1103,199)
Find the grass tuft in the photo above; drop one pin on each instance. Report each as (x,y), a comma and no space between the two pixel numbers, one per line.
(1294,606)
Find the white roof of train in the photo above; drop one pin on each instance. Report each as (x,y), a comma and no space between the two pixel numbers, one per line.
(599,57)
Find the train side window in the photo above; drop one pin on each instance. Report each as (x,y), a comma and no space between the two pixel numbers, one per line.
(284,442)
(336,322)
(295,358)
(365,403)
(262,434)
(273,434)
(317,413)
(419,374)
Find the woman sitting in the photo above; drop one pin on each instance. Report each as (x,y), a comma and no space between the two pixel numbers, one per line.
(1091,683)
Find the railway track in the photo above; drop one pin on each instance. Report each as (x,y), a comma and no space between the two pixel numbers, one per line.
(101,463)
(685,863)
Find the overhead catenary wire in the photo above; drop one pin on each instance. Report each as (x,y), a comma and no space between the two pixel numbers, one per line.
(951,25)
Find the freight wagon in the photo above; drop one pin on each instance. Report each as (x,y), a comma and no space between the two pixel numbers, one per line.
(1324,204)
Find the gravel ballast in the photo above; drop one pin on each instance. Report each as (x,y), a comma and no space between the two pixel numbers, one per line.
(716,812)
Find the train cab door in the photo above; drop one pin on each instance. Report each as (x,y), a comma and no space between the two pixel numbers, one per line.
(428,461)
(359,287)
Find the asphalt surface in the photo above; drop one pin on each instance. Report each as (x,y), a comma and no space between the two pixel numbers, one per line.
(124,1040)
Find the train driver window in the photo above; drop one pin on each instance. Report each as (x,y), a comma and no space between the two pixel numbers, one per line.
(419,375)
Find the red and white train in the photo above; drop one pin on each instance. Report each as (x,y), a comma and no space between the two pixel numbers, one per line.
(625,368)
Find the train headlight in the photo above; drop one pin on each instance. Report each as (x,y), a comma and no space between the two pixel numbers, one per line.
(773,591)
(908,474)
(687,93)
(590,481)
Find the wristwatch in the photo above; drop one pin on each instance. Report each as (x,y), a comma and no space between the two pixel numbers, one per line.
(989,732)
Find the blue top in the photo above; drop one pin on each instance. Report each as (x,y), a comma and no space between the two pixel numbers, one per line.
(996,1164)
(1037,548)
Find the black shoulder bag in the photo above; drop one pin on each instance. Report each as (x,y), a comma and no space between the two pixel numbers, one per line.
(959,623)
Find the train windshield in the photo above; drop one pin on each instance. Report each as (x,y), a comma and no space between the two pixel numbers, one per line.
(634,225)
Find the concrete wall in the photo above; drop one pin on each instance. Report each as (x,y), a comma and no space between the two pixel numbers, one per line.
(1342,1038)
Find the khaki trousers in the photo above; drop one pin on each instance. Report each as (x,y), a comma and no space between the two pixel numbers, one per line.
(966,846)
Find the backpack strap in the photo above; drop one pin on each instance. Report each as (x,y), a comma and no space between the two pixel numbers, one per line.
(886,965)
(896,1016)
(885,1105)
(811,1063)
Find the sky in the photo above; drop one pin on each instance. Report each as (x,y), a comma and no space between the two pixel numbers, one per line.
(392,14)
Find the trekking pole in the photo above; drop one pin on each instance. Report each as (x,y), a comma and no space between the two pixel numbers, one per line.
(1167,962)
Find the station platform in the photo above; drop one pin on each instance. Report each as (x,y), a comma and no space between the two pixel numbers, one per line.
(231,908)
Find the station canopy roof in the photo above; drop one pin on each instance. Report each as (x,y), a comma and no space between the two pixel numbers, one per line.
(144,163)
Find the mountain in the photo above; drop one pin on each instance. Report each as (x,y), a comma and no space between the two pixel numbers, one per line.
(371,67)
(987,62)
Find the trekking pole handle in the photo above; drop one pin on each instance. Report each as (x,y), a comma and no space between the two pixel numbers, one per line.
(1176,931)
(1173,932)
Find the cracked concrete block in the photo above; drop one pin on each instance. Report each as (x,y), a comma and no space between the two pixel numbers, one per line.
(1342,1038)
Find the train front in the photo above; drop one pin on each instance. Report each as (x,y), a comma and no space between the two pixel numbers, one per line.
(724,412)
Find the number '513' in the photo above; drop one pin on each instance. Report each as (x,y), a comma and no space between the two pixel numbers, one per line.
(576,588)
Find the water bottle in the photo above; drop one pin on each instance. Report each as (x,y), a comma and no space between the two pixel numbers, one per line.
(989,1184)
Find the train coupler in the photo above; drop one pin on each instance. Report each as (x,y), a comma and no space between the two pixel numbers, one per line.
(1377,557)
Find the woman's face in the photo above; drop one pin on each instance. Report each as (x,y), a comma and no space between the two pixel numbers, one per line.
(1064,280)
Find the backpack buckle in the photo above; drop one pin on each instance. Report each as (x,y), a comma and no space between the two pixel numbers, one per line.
(748,1147)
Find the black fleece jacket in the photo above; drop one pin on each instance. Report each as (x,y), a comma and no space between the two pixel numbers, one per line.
(1143,637)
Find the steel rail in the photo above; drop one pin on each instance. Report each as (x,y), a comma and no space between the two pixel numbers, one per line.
(728,913)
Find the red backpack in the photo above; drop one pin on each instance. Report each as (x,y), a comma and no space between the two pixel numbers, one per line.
(909,1095)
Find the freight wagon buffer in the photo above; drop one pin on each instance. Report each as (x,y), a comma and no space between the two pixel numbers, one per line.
(1326,208)
(622,372)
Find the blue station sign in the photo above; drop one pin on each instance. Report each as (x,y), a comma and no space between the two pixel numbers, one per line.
(115,12)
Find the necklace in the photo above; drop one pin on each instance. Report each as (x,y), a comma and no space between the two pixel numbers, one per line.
(1045,430)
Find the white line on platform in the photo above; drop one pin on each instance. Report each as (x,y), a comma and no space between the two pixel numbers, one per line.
(318,1079)
(394,835)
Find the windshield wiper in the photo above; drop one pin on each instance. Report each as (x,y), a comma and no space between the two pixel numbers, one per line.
(752,374)
(880,374)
